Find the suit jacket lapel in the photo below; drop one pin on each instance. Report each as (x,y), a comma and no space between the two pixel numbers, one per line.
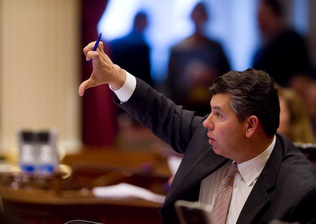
(256,201)
(192,170)
(259,196)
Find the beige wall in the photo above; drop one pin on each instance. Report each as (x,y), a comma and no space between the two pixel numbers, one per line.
(39,74)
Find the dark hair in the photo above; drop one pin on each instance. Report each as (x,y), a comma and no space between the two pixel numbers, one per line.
(253,92)
(200,8)
(275,5)
(140,20)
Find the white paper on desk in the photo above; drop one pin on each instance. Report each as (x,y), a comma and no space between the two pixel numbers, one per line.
(174,163)
(124,190)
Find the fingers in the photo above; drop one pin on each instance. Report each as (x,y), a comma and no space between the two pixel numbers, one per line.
(90,53)
(90,46)
(100,46)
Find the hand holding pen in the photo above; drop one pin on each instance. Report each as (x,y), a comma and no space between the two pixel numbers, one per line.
(104,70)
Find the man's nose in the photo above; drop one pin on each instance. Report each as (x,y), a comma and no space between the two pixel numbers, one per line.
(207,123)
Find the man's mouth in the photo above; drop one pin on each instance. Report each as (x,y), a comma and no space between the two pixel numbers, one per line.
(210,139)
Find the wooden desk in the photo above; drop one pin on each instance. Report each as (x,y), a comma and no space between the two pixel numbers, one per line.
(40,206)
(58,200)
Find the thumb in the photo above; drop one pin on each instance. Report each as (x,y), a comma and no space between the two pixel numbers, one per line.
(85,85)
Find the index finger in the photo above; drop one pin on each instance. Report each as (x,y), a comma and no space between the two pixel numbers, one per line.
(89,47)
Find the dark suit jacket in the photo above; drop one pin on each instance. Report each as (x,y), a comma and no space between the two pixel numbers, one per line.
(285,190)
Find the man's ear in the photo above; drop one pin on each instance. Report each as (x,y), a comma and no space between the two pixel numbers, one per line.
(252,125)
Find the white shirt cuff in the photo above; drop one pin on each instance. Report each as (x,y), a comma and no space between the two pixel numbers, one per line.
(127,90)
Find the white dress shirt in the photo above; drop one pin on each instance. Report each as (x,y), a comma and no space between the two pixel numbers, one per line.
(127,90)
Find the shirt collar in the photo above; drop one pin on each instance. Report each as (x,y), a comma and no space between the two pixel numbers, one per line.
(251,169)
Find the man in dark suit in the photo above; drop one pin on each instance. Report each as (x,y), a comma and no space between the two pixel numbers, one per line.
(275,180)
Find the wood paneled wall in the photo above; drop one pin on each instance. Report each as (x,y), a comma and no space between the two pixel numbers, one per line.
(40,69)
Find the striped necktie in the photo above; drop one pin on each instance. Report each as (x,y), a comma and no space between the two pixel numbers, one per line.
(222,201)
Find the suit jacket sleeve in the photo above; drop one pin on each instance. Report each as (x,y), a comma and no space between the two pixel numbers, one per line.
(170,122)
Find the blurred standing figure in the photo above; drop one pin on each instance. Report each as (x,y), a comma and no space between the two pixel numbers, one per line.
(294,120)
(283,53)
(132,50)
(193,65)
(310,101)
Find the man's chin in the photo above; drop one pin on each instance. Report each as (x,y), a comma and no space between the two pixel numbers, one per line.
(217,150)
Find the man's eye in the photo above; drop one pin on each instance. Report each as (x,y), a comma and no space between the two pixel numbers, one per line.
(218,115)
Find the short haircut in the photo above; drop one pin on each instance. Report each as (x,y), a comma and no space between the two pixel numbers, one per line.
(253,92)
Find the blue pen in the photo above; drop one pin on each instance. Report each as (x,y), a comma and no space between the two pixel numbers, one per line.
(96,45)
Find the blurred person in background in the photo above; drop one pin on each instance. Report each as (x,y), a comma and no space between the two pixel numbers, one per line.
(310,101)
(294,120)
(283,53)
(132,51)
(193,65)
